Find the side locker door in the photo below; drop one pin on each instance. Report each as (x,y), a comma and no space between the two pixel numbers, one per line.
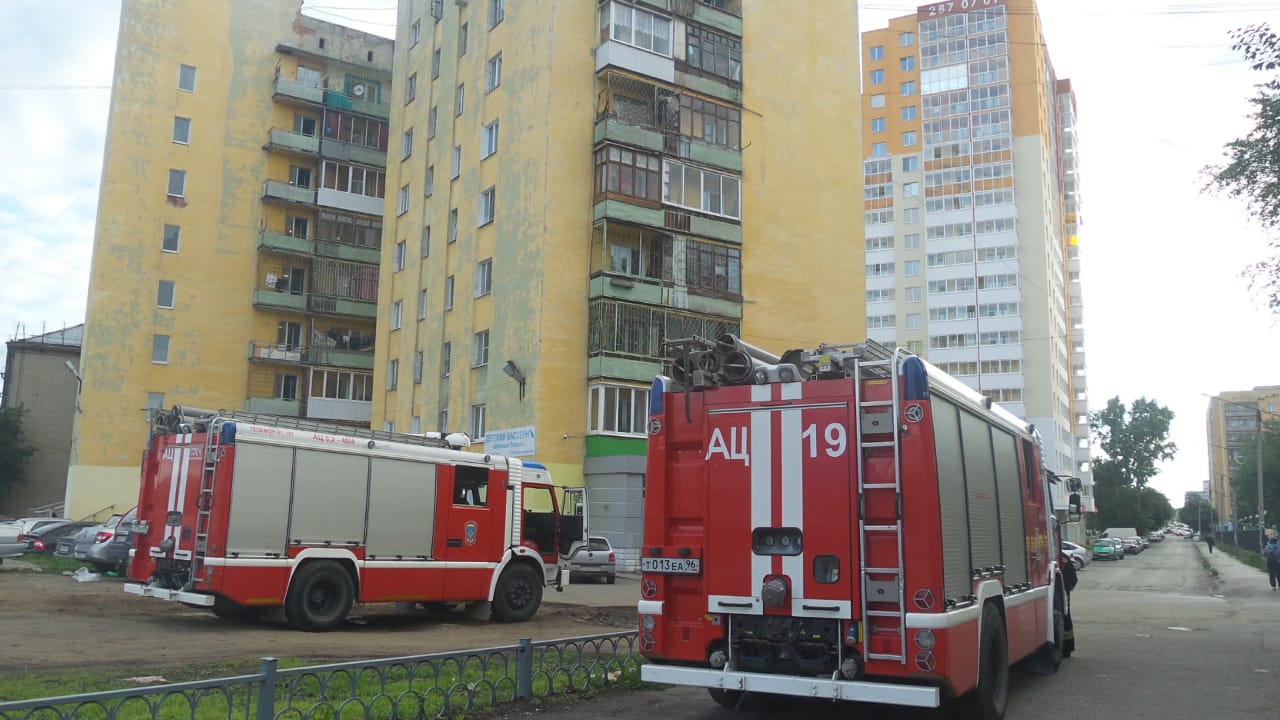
(1040,550)
(470,549)
(739,471)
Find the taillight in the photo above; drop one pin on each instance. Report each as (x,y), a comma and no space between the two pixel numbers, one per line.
(103,536)
(611,557)
(21,537)
(37,545)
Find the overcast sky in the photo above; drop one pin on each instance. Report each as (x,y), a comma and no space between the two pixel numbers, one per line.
(1159,92)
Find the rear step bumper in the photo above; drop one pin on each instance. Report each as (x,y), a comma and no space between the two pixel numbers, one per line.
(858,690)
(165,594)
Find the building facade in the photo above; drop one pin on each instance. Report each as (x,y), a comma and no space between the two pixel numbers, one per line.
(236,253)
(972,213)
(40,376)
(579,182)
(1232,423)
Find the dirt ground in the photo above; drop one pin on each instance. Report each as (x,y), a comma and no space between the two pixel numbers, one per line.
(49,621)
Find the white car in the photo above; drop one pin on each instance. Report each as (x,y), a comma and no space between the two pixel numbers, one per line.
(13,533)
(1078,555)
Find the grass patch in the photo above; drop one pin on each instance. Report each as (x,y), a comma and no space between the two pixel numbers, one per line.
(53,563)
(1247,557)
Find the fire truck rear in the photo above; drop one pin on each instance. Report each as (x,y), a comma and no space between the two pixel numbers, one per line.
(240,513)
(846,523)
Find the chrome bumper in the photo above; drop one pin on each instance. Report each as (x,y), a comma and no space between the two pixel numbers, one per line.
(173,595)
(857,690)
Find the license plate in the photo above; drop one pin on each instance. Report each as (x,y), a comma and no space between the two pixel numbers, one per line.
(671,566)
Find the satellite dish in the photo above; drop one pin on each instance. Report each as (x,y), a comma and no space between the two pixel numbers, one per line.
(357,90)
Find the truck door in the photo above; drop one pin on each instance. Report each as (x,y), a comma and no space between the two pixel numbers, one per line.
(472,530)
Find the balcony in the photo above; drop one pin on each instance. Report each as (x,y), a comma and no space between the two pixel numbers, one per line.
(280,139)
(667,120)
(288,193)
(274,406)
(345,410)
(287,89)
(283,242)
(350,201)
(279,300)
(318,304)
(317,353)
(347,251)
(350,152)
(723,15)
(678,221)
(343,101)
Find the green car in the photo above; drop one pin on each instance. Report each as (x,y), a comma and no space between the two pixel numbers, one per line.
(1105,549)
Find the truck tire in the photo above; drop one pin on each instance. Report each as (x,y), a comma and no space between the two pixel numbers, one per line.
(725,698)
(1048,658)
(518,595)
(319,596)
(989,700)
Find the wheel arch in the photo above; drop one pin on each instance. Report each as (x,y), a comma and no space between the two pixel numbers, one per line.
(345,559)
(517,555)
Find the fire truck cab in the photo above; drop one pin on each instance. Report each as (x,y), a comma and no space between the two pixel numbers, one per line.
(847,523)
(240,513)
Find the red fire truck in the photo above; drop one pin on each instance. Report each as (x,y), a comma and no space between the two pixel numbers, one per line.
(240,512)
(847,523)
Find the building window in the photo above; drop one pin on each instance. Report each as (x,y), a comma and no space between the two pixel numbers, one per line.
(446,362)
(636,27)
(876,52)
(422,304)
(397,315)
(417,368)
(906,39)
(480,349)
(299,176)
(713,53)
(462,39)
(182,130)
(304,125)
(455,164)
(908,112)
(403,206)
(453,225)
(353,179)
(493,73)
(907,88)
(911,268)
(171,235)
(177,183)
(415,33)
(443,419)
(879,149)
(907,63)
(187,78)
(710,266)
(340,385)
(910,216)
(401,252)
(156,400)
(911,163)
(286,386)
(617,409)
(710,122)
(435,64)
(910,138)
(702,190)
(406,144)
(459,99)
(393,374)
(879,269)
(356,130)
(477,422)
(911,241)
(426,240)
(431,123)
(877,77)
(497,11)
(489,140)
(448,293)
(410,88)
(877,101)
(160,349)
(487,200)
(626,172)
(164,294)
(430,180)
(415,422)
(484,277)
(911,189)
(877,125)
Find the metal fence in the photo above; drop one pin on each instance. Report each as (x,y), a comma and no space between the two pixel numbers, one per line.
(412,687)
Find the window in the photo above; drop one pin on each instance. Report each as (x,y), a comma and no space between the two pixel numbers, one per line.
(910,138)
(182,130)
(493,73)
(397,315)
(455,164)
(485,213)
(497,11)
(187,78)
(357,130)
(446,366)
(617,409)
(906,39)
(406,144)
(443,419)
(708,266)
(415,422)
(489,140)
(304,125)
(908,112)
(877,101)
(911,241)
(156,400)
(907,88)
(713,53)
(879,149)
(300,176)
(462,39)
(171,235)
(911,163)
(417,368)
(459,98)
(401,251)
(431,123)
(702,190)
(710,122)
(907,63)
(480,349)
(626,172)
(435,64)
(911,189)
(477,422)
(403,206)
(913,294)
(910,216)
(453,225)
(393,374)
(876,52)
(422,304)
(448,293)
(415,33)
(410,88)
(164,294)
(484,277)
(286,386)
(344,385)
(160,349)
(430,180)
(426,241)
(877,77)
(877,125)
(911,268)
(177,183)
(637,27)
(354,179)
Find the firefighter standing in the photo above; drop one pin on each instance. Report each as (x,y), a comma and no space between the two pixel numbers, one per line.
(1069,580)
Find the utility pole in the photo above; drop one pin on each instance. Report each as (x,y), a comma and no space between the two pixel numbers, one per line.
(1262,511)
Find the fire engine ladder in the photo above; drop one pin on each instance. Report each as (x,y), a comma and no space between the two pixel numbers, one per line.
(204,506)
(885,580)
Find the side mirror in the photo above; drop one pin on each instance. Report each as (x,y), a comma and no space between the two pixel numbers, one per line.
(1073,507)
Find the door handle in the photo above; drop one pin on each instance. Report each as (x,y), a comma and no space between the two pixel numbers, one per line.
(455,542)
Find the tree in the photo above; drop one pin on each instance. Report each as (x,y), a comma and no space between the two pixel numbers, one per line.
(1134,439)
(13,450)
(1244,478)
(1198,513)
(1252,168)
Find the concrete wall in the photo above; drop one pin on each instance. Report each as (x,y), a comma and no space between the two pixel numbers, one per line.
(36,377)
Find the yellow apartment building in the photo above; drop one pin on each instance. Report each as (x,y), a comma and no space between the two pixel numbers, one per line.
(1232,422)
(235,260)
(579,182)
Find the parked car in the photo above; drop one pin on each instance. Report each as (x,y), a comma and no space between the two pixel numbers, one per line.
(13,533)
(1078,554)
(121,543)
(92,542)
(595,559)
(1107,549)
(1132,545)
(1156,536)
(10,545)
(45,540)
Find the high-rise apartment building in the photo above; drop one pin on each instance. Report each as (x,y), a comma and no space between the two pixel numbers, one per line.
(238,230)
(1232,423)
(579,182)
(971,204)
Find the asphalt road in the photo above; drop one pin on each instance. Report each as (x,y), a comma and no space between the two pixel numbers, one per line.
(1158,636)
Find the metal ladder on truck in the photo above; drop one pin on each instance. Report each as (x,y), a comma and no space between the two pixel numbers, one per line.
(882,584)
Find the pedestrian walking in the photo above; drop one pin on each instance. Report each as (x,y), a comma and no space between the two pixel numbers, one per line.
(1272,554)
(1209,541)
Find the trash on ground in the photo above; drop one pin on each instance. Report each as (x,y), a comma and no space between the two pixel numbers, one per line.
(83,575)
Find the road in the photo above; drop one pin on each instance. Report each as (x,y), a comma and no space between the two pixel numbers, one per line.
(1158,637)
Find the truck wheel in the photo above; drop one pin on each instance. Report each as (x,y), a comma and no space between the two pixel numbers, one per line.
(725,698)
(1049,657)
(611,579)
(518,594)
(989,699)
(319,597)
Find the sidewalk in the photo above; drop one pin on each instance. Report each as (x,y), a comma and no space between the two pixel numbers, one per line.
(1235,579)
